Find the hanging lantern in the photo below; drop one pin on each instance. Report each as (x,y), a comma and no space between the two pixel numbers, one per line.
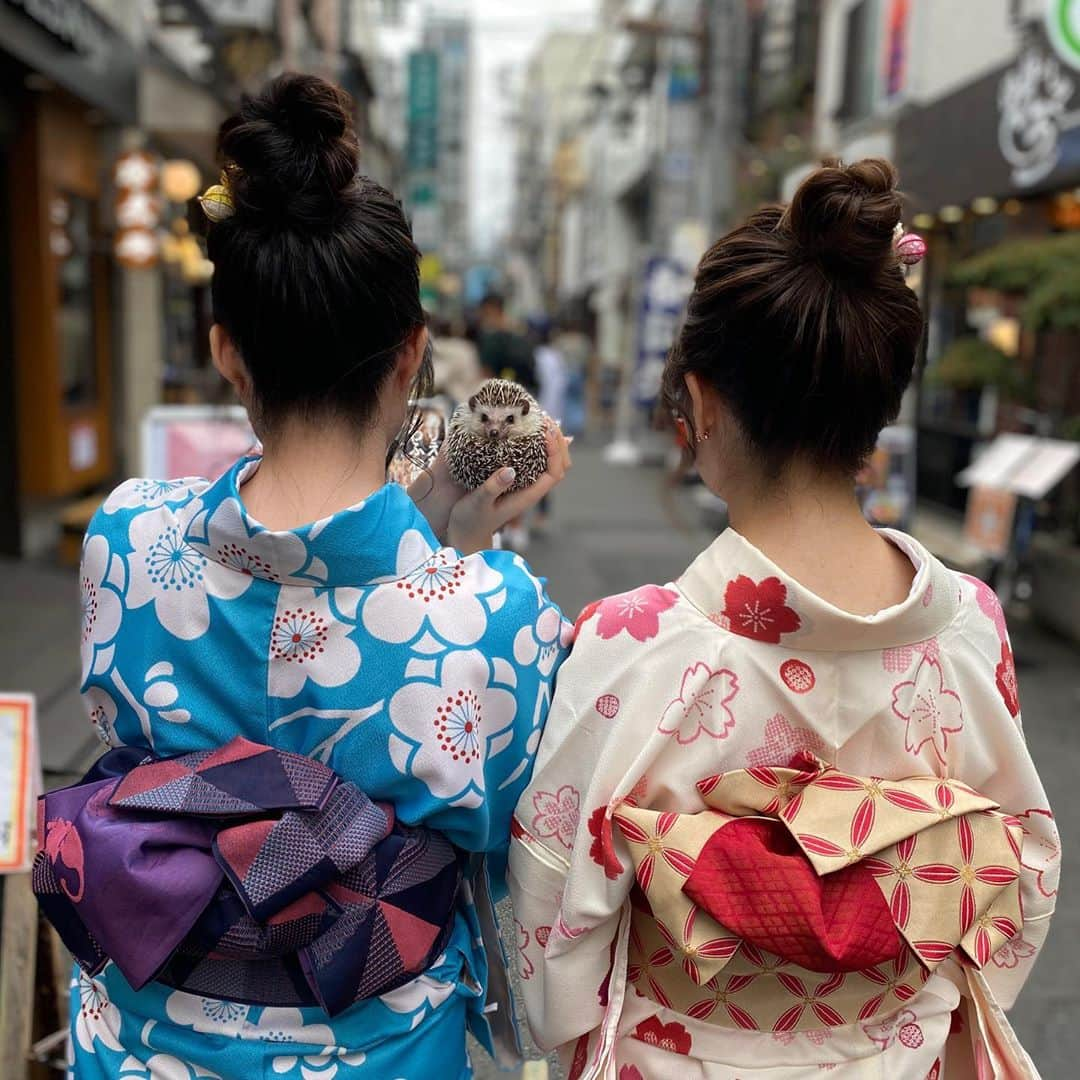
(180,180)
(136,249)
(136,171)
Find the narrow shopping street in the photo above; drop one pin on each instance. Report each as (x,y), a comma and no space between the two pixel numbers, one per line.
(611,529)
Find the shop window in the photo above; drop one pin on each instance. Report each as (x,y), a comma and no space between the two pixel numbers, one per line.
(71,241)
(859,62)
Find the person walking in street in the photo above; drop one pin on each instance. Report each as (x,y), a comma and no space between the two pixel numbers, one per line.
(330,691)
(456,363)
(505,353)
(783,818)
(553,380)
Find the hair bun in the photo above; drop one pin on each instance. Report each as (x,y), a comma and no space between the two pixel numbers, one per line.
(844,217)
(291,151)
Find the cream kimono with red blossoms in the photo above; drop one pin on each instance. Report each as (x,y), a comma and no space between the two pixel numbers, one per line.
(736,683)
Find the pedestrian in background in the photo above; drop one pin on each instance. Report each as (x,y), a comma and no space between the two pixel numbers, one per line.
(455,361)
(783,818)
(293,603)
(505,352)
(551,375)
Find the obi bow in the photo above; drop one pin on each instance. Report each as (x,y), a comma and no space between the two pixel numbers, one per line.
(245,873)
(827,870)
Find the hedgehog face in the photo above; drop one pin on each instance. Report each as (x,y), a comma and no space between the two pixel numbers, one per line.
(495,422)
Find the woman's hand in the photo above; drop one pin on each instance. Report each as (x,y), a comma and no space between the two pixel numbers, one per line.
(478,515)
(436,494)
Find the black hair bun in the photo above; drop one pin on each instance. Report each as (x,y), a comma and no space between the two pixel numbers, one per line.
(290,152)
(844,217)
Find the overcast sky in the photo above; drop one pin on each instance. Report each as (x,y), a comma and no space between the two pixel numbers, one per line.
(506,33)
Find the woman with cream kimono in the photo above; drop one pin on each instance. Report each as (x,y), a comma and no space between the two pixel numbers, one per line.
(783,818)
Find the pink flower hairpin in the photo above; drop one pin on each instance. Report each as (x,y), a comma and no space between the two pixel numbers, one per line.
(910,247)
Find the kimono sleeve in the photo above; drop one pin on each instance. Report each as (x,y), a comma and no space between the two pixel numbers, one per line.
(995,761)
(504,684)
(566,879)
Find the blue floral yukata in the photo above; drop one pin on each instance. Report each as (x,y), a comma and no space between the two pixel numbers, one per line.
(421,676)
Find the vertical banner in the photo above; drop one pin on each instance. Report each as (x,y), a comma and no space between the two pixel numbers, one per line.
(422,148)
(665,289)
(896,38)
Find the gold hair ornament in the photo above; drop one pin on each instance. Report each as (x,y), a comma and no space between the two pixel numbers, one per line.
(216,201)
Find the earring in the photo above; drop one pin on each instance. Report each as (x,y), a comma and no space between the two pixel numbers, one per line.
(703,436)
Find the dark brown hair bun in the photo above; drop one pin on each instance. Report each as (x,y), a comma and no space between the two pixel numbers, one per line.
(291,151)
(801,320)
(844,216)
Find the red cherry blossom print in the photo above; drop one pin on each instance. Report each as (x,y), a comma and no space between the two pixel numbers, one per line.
(602,849)
(783,742)
(541,936)
(911,1036)
(1006,680)
(557,814)
(638,613)
(581,1059)
(672,1037)
(897,659)
(587,612)
(630,1072)
(759,610)
(798,676)
(607,705)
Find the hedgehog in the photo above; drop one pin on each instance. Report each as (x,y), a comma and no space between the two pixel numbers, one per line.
(501,424)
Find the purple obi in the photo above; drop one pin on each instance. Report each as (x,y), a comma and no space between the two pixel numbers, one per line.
(245,873)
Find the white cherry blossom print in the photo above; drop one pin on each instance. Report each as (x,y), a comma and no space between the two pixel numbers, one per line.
(932,712)
(209,1016)
(450,724)
(146,494)
(101,712)
(164,569)
(423,993)
(98,1019)
(308,642)
(439,589)
(703,704)
(226,537)
(543,642)
(99,603)
(557,814)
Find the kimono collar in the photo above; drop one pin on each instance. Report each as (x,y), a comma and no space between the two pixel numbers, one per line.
(355,546)
(743,591)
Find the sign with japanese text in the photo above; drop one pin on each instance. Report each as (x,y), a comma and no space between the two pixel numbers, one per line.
(664,292)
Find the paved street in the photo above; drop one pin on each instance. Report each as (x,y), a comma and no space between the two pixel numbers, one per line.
(613,529)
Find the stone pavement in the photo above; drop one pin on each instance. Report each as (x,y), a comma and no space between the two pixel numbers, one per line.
(613,529)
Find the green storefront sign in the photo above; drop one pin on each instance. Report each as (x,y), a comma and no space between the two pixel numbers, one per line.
(423,111)
(1063,28)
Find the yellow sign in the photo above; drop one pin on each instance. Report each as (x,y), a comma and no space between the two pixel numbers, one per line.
(431,269)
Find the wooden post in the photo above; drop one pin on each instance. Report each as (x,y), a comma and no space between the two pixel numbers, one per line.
(18,964)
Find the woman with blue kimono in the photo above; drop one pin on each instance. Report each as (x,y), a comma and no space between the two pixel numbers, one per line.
(301,603)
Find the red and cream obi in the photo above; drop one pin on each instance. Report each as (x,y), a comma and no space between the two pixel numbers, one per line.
(806,897)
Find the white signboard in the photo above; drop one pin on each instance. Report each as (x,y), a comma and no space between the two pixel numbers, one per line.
(1023,464)
(194,440)
(18,781)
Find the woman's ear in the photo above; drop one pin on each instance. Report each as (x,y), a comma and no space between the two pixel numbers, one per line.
(410,357)
(229,362)
(702,405)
